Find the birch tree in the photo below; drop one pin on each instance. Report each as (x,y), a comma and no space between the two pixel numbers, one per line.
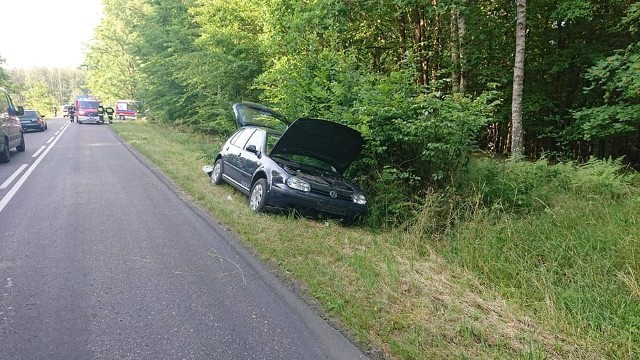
(517,148)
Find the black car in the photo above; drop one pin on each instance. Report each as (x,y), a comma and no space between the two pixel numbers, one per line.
(297,165)
(32,120)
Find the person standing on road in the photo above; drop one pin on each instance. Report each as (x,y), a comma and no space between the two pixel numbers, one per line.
(72,112)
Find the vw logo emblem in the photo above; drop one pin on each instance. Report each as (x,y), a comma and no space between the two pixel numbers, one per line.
(333,194)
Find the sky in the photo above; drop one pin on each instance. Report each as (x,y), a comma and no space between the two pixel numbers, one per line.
(39,33)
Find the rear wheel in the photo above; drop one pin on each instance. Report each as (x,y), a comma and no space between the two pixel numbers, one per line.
(4,154)
(258,195)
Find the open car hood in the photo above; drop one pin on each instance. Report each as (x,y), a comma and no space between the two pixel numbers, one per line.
(333,143)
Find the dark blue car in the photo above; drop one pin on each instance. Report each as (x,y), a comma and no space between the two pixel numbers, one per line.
(32,120)
(298,165)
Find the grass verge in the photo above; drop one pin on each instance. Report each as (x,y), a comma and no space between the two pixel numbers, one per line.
(497,287)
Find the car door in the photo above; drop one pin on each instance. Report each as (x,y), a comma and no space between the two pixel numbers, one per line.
(250,155)
(232,157)
(9,122)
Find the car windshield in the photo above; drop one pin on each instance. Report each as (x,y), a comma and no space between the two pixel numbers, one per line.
(88,104)
(272,139)
(29,114)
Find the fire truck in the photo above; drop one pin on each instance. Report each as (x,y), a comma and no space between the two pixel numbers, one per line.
(87,109)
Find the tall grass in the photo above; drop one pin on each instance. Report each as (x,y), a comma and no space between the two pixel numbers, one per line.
(561,240)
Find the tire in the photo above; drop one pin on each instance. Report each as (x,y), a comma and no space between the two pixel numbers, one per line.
(121,117)
(258,195)
(4,154)
(22,146)
(216,174)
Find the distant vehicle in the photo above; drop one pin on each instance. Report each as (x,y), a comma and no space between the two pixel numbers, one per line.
(11,134)
(65,110)
(32,120)
(125,109)
(291,165)
(87,110)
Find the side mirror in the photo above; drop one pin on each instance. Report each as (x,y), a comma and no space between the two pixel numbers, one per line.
(19,111)
(252,149)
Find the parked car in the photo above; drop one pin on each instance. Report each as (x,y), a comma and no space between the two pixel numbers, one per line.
(32,120)
(298,165)
(65,110)
(11,135)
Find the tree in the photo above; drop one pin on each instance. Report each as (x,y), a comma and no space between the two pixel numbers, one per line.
(112,70)
(612,124)
(517,148)
(5,80)
(38,97)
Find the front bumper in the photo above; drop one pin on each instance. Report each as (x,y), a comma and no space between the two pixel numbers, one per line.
(281,196)
(90,119)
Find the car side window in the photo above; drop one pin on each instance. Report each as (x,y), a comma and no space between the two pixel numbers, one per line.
(242,138)
(257,139)
(272,139)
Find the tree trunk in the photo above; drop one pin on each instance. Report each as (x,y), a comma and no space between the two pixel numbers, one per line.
(517,148)
(422,64)
(461,31)
(437,51)
(455,50)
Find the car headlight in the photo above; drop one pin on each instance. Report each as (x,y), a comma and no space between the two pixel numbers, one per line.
(358,199)
(295,182)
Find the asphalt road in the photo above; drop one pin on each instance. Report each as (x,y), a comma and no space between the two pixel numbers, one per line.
(101,258)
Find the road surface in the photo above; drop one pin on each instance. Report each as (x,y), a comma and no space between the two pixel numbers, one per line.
(101,258)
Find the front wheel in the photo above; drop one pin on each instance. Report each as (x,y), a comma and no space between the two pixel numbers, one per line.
(258,195)
(216,174)
(21,147)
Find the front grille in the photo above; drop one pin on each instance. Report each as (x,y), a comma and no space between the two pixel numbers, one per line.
(324,190)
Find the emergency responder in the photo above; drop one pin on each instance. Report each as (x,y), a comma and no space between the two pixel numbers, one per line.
(101,113)
(72,112)
(109,110)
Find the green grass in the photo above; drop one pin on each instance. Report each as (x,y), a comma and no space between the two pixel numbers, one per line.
(554,276)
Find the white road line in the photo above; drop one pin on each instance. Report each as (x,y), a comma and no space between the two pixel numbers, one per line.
(50,140)
(39,150)
(5,200)
(13,177)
